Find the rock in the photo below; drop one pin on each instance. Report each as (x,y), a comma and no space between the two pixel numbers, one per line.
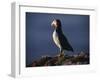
(34,63)
(61,59)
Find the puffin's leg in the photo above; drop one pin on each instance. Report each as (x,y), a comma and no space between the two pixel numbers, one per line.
(61,57)
(61,52)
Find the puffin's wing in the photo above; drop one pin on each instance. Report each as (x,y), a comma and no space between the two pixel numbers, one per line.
(64,42)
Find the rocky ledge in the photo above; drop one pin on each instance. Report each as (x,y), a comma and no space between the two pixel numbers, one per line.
(61,59)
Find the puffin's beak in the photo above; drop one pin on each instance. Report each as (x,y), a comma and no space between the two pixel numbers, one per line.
(53,23)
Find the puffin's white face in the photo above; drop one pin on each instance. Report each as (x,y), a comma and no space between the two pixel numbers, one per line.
(54,23)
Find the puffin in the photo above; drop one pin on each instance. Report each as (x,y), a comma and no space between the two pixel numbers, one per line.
(59,38)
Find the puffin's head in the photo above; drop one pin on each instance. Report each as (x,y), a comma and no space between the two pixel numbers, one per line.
(56,23)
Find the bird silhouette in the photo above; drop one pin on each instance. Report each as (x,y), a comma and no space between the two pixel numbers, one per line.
(59,38)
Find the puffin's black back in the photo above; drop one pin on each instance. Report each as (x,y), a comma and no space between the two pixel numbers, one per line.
(63,40)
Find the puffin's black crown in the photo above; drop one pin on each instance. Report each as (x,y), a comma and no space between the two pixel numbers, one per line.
(58,22)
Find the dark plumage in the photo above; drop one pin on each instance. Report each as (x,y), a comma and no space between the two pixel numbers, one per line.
(59,38)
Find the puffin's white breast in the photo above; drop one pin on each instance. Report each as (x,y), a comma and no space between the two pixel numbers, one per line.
(55,39)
